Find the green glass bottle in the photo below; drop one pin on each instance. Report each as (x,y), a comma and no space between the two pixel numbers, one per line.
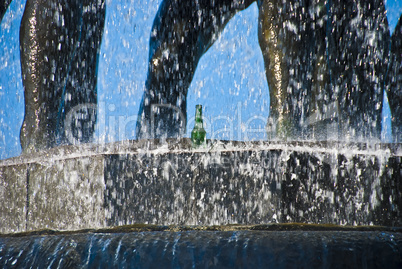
(198,134)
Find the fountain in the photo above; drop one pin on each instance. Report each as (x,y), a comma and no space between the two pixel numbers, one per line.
(239,201)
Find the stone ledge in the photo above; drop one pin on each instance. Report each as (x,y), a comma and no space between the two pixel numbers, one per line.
(169,183)
(206,249)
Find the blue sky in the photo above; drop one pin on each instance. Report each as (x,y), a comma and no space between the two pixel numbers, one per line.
(229,82)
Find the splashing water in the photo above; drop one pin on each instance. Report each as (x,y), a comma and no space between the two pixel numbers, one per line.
(167,183)
(232,70)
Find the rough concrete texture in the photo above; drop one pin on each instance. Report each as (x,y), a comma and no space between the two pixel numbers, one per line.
(170,183)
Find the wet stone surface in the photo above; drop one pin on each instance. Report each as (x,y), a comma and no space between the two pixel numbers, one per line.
(193,188)
(170,183)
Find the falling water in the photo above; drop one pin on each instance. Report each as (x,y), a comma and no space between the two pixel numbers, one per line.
(221,247)
(344,183)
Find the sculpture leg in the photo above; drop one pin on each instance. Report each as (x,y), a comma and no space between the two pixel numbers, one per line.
(321,116)
(49,35)
(60,42)
(359,49)
(3,8)
(288,48)
(181,33)
(78,119)
(394,81)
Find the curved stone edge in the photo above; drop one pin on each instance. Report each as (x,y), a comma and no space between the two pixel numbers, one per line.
(75,187)
(139,228)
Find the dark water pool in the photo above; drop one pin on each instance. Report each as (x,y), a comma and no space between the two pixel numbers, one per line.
(205,248)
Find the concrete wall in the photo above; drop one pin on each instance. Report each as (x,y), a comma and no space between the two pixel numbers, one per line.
(91,186)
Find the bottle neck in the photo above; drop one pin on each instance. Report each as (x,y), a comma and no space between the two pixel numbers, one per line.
(198,116)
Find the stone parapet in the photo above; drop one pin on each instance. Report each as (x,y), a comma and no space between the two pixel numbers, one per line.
(170,183)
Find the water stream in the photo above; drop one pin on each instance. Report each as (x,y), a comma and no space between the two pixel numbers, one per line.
(220,247)
(302,109)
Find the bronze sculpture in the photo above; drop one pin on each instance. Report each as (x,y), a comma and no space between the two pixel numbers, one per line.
(317,53)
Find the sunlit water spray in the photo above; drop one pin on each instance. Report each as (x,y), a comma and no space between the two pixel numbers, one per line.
(106,184)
